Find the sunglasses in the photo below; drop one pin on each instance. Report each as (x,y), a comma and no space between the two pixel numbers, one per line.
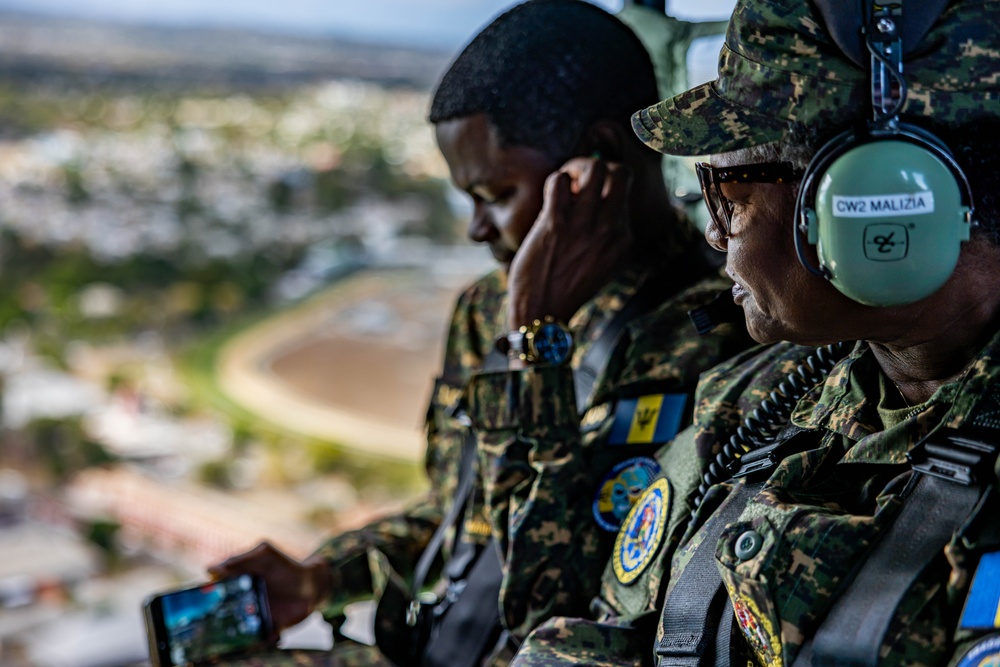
(711,178)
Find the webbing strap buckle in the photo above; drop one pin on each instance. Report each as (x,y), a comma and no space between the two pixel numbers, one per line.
(412,613)
(757,463)
(956,456)
(425,600)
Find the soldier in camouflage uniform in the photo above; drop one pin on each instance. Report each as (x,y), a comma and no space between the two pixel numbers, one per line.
(354,565)
(867,534)
(501,148)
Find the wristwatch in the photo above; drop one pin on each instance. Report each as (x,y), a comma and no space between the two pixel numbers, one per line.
(543,341)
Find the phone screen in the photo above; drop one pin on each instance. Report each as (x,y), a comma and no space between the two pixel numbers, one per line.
(218,618)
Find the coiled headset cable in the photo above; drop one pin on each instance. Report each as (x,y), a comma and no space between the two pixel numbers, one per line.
(766,421)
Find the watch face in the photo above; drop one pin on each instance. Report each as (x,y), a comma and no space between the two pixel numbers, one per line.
(552,343)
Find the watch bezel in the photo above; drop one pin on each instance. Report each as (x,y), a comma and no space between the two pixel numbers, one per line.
(530,349)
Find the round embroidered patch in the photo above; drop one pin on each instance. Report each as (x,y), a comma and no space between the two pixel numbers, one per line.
(758,630)
(984,653)
(620,488)
(642,532)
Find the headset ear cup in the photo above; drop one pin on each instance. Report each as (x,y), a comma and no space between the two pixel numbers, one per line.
(888,216)
(805,204)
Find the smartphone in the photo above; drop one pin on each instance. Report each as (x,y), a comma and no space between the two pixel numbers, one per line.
(199,624)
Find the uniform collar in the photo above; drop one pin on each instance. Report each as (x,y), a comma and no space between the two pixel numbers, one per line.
(845,405)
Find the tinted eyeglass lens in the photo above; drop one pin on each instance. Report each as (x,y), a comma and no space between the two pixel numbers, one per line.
(713,199)
(721,208)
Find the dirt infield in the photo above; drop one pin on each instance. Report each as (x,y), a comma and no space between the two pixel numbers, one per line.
(353,364)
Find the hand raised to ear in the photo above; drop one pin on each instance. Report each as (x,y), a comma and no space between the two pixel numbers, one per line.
(579,240)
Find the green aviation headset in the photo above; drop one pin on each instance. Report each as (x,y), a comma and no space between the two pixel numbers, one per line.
(885,204)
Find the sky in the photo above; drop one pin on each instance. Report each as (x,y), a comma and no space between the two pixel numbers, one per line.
(440,24)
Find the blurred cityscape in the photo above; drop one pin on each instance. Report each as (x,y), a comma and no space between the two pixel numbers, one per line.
(227,260)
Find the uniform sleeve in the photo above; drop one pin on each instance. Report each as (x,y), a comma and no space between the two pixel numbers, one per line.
(538,490)
(400,538)
(636,591)
(543,465)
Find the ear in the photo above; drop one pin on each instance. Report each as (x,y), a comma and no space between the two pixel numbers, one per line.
(603,139)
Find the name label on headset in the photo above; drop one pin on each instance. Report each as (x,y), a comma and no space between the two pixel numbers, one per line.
(875,206)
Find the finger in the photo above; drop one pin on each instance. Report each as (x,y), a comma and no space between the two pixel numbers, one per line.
(592,185)
(616,187)
(242,563)
(558,197)
(576,168)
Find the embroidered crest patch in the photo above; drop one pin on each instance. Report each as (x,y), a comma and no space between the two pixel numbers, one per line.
(982,607)
(758,630)
(620,488)
(984,653)
(642,532)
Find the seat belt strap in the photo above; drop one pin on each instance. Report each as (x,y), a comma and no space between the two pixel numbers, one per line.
(649,295)
(695,604)
(433,548)
(724,635)
(473,620)
(952,473)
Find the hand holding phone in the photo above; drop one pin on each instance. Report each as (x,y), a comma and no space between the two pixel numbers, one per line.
(294,587)
(198,624)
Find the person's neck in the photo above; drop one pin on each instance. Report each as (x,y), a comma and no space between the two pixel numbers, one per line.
(946,335)
(919,370)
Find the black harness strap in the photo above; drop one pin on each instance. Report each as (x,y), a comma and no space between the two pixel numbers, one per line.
(473,616)
(466,483)
(466,477)
(597,356)
(695,604)
(856,626)
(724,635)
(952,473)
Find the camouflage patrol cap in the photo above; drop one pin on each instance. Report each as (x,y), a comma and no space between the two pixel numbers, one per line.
(780,66)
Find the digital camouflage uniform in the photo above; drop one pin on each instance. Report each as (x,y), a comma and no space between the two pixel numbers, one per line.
(361,561)
(821,510)
(364,560)
(818,514)
(545,468)
(624,616)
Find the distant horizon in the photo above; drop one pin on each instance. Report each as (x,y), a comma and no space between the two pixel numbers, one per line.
(444,25)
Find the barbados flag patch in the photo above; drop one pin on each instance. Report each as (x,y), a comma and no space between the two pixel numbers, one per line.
(647,419)
(982,608)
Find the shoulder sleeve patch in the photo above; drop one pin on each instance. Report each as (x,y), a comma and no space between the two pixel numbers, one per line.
(642,532)
(982,607)
(983,653)
(620,488)
(647,419)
